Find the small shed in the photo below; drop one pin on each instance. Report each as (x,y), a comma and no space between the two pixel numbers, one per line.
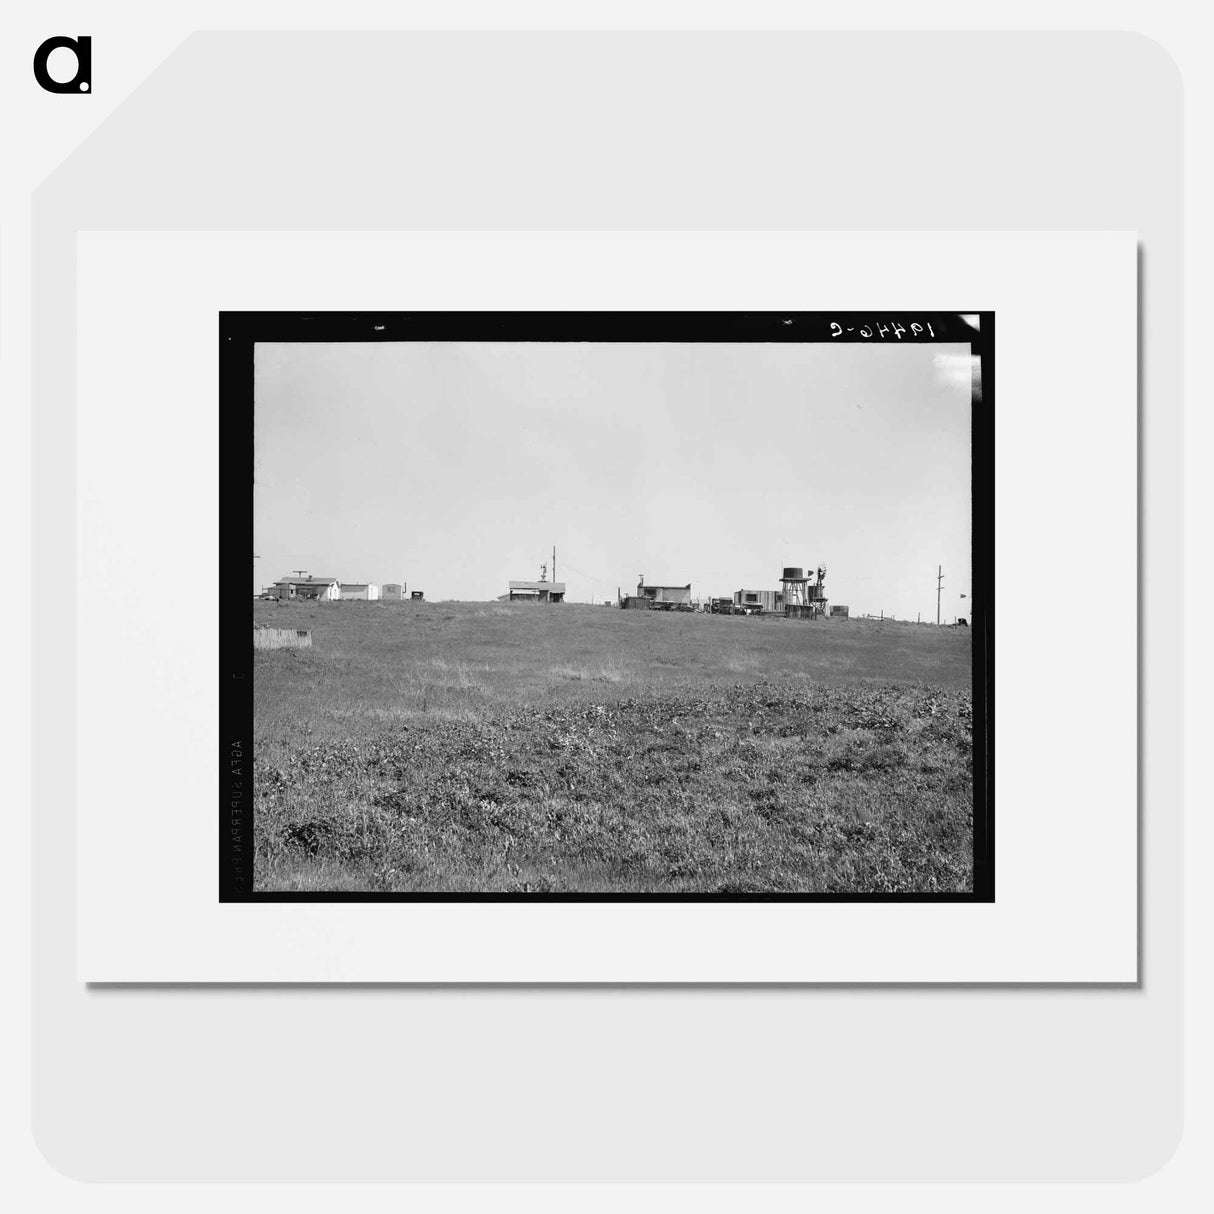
(368,592)
(838,611)
(758,600)
(392,591)
(665,596)
(537,592)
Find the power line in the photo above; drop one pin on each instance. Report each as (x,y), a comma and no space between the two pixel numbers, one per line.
(582,573)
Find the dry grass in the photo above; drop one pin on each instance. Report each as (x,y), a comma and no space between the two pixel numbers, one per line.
(530,749)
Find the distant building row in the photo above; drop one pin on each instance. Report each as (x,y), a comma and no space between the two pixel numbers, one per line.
(801,596)
(771,602)
(331,590)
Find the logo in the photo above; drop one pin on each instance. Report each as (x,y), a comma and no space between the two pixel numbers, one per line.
(82,48)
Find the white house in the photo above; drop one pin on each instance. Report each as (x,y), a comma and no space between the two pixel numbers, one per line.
(367,591)
(319,589)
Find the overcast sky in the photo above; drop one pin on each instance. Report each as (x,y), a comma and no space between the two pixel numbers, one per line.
(456,466)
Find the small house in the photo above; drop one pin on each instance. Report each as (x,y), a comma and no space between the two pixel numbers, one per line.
(368,592)
(315,589)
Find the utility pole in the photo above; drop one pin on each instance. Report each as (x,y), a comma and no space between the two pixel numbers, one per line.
(554,562)
(939,584)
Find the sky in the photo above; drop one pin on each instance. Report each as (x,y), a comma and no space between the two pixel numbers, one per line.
(455,467)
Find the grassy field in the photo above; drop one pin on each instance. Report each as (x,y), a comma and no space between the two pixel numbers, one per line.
(524,748)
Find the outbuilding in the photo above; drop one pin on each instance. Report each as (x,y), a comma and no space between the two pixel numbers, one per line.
(665,598)
(758,600)
(537,592)
(366,591)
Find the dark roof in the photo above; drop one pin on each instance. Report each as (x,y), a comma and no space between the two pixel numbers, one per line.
(305,581)
(559,587)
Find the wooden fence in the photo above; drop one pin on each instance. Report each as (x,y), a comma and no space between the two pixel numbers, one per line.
(281,638)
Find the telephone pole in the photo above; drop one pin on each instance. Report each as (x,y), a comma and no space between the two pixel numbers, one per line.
(939,584)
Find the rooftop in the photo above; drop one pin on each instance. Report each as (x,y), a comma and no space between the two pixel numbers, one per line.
(559,587)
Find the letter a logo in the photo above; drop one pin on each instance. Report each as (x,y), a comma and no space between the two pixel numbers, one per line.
(82,48)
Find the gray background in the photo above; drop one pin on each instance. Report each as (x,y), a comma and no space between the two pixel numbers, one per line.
(569,131)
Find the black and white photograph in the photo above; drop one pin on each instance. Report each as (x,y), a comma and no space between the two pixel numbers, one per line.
(648,606)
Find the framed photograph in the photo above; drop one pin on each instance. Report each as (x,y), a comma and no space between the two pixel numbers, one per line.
(622,607)
(607,605)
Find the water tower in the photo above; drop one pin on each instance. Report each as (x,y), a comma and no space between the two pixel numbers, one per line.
(804,597)
(796,587)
